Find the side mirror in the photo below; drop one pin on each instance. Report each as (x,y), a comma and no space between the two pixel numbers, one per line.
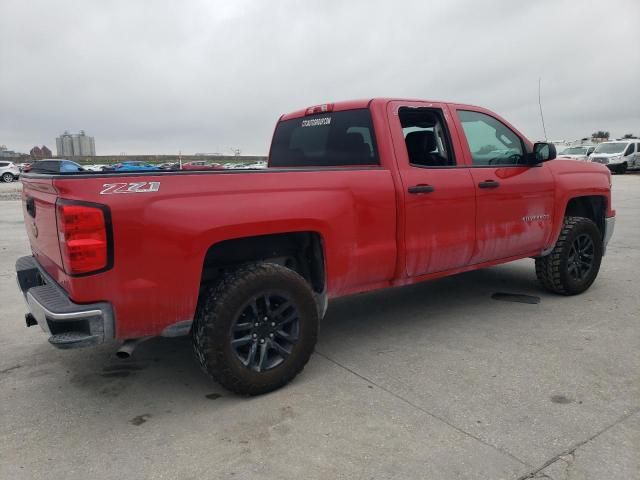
(542,152)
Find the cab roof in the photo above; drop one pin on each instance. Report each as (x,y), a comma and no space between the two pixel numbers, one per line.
(360,103)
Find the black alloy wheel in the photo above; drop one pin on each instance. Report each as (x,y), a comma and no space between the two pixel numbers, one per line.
(265,332)
(581,255)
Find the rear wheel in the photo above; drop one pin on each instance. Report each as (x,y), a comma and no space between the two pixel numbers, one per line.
(256,329)
(573,264)
(622,168)
(7,177)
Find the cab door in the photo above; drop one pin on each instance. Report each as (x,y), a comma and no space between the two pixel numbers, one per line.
(514,199)
(437,189)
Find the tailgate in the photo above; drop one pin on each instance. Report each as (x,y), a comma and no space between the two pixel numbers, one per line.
(39,209)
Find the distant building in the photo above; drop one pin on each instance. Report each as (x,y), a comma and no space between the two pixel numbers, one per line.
(75,145)
(38,153)
(6,153)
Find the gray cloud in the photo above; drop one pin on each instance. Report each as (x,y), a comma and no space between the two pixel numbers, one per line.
(163,76)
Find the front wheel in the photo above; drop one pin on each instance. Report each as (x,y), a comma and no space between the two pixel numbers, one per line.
(573,264)
(622,168)
(7,177)
(256,328)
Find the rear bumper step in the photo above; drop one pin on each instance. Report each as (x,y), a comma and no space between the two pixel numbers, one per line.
(69,324)
(73,340)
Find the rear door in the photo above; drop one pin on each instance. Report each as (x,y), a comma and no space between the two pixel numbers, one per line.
(437,189)
(514,200)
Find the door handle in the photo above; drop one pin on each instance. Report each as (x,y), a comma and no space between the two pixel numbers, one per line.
(489,184)
(421,189)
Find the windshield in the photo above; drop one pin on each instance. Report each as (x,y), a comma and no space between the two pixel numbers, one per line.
(574,151)
(617,147)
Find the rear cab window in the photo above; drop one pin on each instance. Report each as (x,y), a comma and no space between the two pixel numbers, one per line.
(343,138)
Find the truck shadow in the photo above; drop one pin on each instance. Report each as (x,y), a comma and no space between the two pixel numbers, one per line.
(166,368)
(430,303)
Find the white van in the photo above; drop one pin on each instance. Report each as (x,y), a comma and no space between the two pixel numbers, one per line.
(619,155)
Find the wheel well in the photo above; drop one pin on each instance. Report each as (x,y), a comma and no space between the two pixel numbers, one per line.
(592,207)
(299,251)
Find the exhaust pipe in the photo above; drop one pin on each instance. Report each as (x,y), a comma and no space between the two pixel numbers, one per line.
(30,319)
(128,346)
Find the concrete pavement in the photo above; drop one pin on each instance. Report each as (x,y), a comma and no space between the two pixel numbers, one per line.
(431,381)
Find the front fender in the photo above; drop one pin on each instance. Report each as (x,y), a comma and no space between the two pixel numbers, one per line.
(573,180)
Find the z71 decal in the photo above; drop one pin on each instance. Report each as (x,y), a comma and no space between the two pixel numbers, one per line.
(135,187)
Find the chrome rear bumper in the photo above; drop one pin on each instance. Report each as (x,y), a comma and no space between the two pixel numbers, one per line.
(70,325)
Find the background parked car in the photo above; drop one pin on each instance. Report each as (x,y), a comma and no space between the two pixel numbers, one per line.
(579,152)
(9,171)
(169,166)
(131,166)
(235,166)
(201,165)
(257,165)
(619,155)
(50,165)
(94,168)
(24,167)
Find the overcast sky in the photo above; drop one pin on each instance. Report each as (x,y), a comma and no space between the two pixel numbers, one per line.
(206,76)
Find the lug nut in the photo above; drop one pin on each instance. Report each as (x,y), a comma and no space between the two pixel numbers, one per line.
(255,335)
(271,335)
(262,340)
(256,324)
(273,324)
(266,318)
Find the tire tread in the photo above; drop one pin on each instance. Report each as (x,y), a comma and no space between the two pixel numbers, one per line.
(548,268)
(210,325)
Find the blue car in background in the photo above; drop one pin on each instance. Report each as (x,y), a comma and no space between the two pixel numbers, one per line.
(131,166)
(54,165)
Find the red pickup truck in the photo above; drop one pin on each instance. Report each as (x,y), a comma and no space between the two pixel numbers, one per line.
(359,195)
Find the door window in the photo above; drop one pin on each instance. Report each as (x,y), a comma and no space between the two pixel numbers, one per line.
(491,142)
(629,150)
(426,138)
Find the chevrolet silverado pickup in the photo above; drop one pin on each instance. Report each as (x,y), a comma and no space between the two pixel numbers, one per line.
(357,196)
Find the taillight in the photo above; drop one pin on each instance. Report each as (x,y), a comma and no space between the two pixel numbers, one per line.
(84,235)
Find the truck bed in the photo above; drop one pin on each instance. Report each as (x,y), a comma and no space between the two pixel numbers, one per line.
(165,234)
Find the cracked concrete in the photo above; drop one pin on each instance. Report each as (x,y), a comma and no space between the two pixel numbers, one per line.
(614,453)
(430,381)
